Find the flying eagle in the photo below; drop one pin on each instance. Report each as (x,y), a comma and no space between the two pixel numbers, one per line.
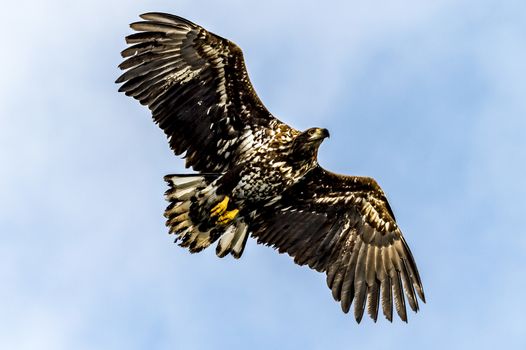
(256,175)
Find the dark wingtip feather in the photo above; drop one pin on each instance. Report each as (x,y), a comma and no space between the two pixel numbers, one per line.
(387,299)
(155,15)
(153,26)
(420,292)
(416,276)
(399,296)
(373,300)
(358,318)
(166,17)
(119,80)
(360,301)
(409,287)
(347,295)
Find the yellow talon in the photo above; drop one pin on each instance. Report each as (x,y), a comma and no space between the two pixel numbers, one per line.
(220,208)
(227,217)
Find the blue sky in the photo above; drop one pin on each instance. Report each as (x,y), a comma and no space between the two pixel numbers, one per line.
(427,97)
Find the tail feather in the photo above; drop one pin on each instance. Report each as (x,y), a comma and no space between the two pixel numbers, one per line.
(189,197)
(240,243)
(183,197)
(233,241)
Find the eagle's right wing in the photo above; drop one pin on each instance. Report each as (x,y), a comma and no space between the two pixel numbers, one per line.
(197,87)
(343,225)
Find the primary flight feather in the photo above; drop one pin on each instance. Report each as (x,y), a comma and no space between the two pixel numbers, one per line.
(258,176)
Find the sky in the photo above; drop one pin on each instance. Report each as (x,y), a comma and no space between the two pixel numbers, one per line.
(427,97)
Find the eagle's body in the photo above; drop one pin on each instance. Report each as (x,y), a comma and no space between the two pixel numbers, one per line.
(267,165)
(257,175)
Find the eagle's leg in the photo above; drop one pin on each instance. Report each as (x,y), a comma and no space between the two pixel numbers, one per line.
(222,212)
(195,225)
(227,217)
(220,208)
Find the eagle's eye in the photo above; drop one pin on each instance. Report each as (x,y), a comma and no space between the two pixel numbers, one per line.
(312,132)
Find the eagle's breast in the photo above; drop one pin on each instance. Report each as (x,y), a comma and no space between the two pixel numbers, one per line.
(268,171)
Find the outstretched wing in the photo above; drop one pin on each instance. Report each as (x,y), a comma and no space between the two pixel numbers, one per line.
(343,225)
(197,87)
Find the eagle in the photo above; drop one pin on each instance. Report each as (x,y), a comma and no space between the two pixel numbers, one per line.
(257,176)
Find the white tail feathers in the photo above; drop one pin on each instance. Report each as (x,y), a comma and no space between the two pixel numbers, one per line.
(182,195)
(189,197)
(233,240)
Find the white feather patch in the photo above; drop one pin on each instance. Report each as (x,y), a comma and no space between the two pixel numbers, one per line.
(226,240)
(239,238)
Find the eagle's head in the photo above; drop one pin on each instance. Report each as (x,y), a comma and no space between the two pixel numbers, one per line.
(306,144)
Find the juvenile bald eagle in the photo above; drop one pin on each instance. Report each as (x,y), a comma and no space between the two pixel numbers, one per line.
(258,176)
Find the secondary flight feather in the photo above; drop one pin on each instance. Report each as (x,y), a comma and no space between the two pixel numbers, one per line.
(256,175)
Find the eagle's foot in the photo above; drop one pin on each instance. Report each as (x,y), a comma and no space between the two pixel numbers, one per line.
(220,208)
(227,217)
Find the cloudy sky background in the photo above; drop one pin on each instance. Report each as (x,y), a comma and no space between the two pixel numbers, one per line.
(427,97)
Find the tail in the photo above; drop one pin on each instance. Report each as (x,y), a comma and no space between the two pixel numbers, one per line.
(188,216)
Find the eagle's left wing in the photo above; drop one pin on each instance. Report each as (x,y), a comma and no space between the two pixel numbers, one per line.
(196,84)
(343,225)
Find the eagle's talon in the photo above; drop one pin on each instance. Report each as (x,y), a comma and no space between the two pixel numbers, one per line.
(220,208)
(227,217)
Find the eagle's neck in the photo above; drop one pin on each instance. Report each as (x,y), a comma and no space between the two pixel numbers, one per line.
(304,158)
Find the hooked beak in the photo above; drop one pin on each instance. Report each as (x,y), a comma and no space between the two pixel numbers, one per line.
(320,135)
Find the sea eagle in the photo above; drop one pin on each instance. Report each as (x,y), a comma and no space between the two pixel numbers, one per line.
(256,175)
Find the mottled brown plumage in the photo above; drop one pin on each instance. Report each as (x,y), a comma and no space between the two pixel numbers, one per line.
(257,175)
